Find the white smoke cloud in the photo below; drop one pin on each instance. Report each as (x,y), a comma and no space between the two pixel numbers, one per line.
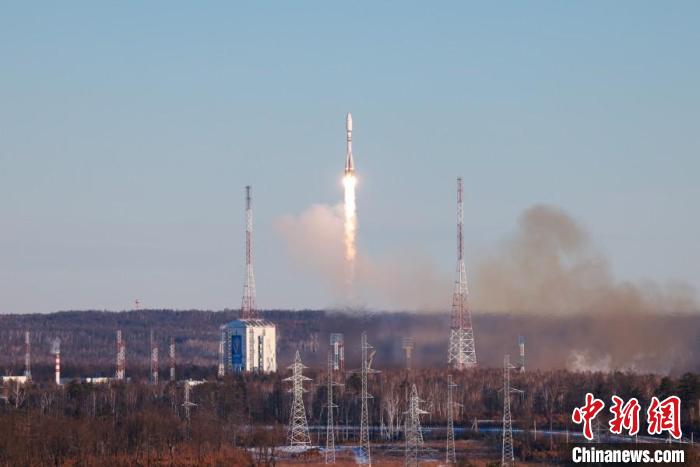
(405,280)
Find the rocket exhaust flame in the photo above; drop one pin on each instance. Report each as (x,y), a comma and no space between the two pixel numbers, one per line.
(349,182)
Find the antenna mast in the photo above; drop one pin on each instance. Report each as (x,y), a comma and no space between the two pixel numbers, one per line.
(248,309)
(461,351)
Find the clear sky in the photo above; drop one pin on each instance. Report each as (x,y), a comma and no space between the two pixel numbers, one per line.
(129,129)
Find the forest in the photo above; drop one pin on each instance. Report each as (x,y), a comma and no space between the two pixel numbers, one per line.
(579,342)
(241,420)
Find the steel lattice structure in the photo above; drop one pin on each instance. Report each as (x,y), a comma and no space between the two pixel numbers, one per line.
(27,356)
(407,345)
(413,432)
(298,426)
(248,308)
(461,352)
(368,352)
(171,352)
(121,356)
(507,453)
(450,456)
(330,405)
(222,347)
(154,360)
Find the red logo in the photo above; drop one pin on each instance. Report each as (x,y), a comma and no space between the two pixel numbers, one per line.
(587,413)
(665,416)
(625,416)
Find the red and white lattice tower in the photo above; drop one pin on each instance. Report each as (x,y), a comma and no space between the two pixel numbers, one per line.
(461,352)
(56,350)
(121,356)
(248,309)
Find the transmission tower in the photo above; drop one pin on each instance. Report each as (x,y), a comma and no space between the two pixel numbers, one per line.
(461,352)
(298,427)
(27,356)
(450,457)
(367,356)
(248,309)
(154,360)
(188,404)
(121,356)
(414,434)
(330,426)
(507,454)
(407,345)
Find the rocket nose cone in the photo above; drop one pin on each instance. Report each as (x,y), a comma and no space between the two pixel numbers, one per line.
(348,122)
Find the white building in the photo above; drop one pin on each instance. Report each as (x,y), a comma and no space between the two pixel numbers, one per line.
(249,345)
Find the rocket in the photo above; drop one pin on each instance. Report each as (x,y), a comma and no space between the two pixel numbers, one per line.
(349,164)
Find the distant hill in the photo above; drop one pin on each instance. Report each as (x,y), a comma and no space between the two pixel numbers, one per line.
(642,342)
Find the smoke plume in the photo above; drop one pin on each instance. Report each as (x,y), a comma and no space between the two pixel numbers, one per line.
(551,266)
(405,280)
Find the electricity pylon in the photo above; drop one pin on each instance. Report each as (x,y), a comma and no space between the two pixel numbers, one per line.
(367,356)
(298,427)
(330,426)
(450,457)
(461,352)
(413,435)
(507,454)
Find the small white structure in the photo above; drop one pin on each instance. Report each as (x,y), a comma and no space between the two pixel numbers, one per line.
(250,345)
(15,379)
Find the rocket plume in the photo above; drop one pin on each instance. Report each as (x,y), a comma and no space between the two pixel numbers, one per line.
(349,182)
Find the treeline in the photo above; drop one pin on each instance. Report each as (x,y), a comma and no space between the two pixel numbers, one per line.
(591,341)
(240,420)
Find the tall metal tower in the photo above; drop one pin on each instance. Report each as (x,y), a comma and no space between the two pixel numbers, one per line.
(154,360)
(413,435)
(330,426)
(407,345)
(461,353)
(521,345)
(450,457)
(188,404)
(507,454)
(222,347)
(171,352)
(56,350)
(121,356)
(27,356)
(298,427)
(248,309)
(338,346)
(367,356)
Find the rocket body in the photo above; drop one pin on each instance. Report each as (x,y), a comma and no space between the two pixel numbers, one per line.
(349,164)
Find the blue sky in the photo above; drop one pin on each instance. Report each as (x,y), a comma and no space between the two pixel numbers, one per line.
(128,130)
